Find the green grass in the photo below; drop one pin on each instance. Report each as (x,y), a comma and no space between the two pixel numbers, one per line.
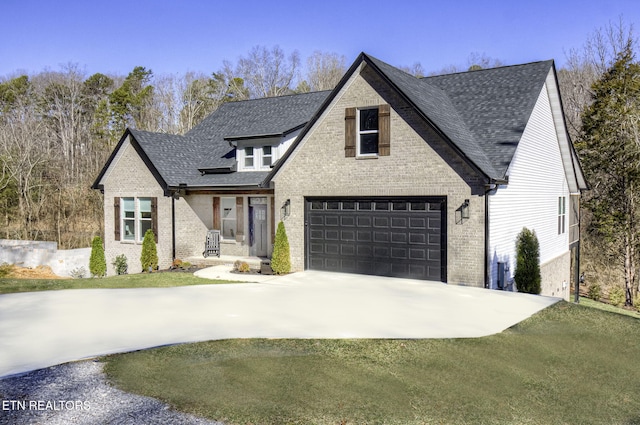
(569,364)
(588,302)
(143,280)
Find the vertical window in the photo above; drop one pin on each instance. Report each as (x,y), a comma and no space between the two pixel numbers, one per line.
(228,214)
(248,157)
(562,213)
(368,131)
(266,156)
(145,215)
(129,219)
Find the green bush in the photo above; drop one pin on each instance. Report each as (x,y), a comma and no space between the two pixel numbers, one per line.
(636,302)
(97,261)
(527,274)
(281,258)
(594,292)
(617,296)
(120,264)
(149,256)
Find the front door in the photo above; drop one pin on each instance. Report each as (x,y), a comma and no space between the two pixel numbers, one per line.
(258,227)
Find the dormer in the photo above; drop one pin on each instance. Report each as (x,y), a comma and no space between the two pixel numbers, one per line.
(260,153)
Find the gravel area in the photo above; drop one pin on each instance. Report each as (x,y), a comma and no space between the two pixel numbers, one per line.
(78,393)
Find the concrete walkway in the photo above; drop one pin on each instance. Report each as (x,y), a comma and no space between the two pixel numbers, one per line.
(41,329)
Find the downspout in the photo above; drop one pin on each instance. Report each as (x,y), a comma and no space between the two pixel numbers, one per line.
(173,225)
(487,192)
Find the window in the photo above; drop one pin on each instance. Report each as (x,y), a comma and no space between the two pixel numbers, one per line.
(145,215)
(135,217)
(367,132)
(228,210)
(562,213)
(248,157)
(129,219)
(266,156)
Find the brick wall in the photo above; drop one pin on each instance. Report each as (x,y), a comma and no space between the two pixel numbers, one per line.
(128,176)
(420,164)
(556,275)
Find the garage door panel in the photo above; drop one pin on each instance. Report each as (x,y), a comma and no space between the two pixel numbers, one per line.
(399,237)
(381,237)
(348,235)
(364,236)
(347,221)
(399,222)
(389,237)
(380,222)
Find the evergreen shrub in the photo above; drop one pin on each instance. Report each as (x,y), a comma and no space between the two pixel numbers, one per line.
(149,256)
(281,258)
(120,264)
(97,260)
(527,274)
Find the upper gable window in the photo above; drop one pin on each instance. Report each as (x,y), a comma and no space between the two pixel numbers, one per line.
(368,132)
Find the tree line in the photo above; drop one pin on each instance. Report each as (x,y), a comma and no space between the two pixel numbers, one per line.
(57,129)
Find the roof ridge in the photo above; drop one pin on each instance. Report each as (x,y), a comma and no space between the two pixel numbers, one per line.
(469,71)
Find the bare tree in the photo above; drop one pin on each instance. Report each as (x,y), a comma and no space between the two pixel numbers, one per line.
(266,72)
(324,70)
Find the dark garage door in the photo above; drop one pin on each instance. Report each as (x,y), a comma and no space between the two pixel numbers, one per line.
(385,237)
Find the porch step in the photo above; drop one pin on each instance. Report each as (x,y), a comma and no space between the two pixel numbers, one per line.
(200,261)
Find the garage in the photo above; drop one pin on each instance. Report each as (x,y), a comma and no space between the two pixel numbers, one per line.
(400,237)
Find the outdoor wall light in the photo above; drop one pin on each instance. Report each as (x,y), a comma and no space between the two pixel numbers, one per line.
(285,211)
(464,210)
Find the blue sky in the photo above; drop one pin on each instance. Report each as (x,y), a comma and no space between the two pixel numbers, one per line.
(196,35)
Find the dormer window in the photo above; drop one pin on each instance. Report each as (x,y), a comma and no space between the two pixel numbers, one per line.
(267,156)
(367,132)
(248,157)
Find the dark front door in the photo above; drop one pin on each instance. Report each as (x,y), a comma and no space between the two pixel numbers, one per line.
(258,228)
(402,237)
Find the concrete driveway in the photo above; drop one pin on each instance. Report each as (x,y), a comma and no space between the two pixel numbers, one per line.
(42,329)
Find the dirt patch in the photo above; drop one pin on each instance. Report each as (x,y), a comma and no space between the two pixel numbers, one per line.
(39,272)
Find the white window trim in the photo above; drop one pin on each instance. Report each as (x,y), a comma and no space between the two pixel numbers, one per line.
(359,133)
(247,156)
(562,215)
(258,157)
(137,219)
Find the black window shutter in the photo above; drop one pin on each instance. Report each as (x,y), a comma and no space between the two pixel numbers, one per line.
(384,130)
(350,133)
(154,217)
(116,218)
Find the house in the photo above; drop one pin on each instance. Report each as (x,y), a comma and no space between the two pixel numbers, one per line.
(387,174)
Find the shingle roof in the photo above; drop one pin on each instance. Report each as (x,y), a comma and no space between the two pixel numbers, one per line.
(260,117)
(482,114)
(495,105)
(178,159)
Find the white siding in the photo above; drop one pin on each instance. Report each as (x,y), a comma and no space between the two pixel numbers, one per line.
(536,180)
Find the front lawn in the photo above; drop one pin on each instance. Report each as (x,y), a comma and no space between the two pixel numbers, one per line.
(569,364)
(142,280)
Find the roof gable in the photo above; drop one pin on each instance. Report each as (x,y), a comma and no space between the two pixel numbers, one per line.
(481,114)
